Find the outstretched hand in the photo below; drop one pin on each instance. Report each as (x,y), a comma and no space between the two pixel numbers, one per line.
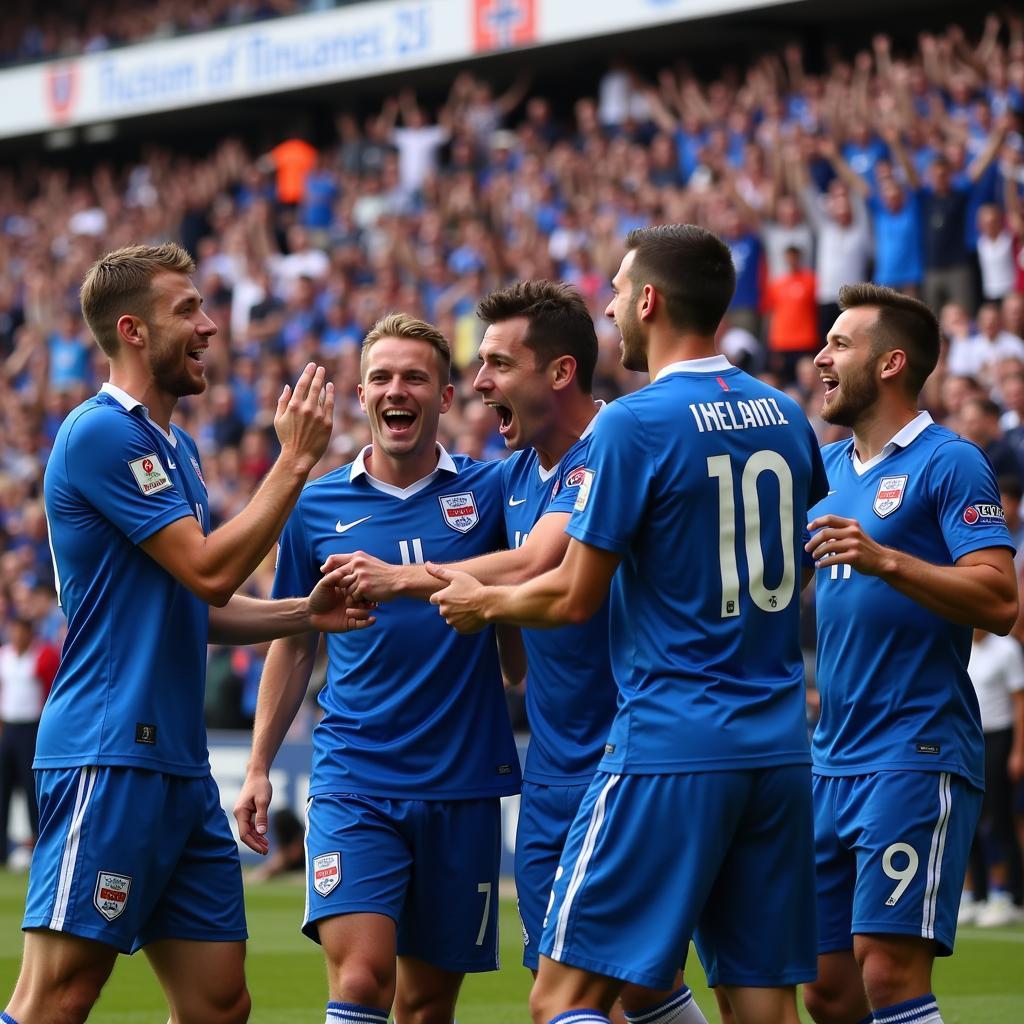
(461,601)
(305,418)
(333,610)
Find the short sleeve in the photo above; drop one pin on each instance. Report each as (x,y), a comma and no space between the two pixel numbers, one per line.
(570,478)
(966,496)
(113,461)
(612,495)
(295,575)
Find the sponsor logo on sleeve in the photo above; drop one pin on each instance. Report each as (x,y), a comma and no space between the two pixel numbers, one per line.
(326,872)
(460,511)
(576,477)
(583,495)
(199,472)
(111,894)
(889,495)
(983,514)
(149,474)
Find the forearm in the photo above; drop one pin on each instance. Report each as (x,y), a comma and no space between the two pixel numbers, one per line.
(541,603)
(975,595)
(282,687)
(248,620)
(230,555)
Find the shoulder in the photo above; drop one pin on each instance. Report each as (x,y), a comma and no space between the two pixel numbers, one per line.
(477,469)
(327,486)
(96,427)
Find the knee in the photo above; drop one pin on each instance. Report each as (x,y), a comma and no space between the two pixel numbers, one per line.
(364,981)
(542,1007)
(826,1004)
(886,976)
(72,1000)
(225,1007)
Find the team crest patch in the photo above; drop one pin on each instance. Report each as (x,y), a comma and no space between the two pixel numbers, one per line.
(889,495)
(576,477)
(460,511)
(111,895)
(326,872)
(983,514)
(149,474)
(583,494)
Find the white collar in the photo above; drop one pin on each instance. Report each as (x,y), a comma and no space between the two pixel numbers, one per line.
(709,364)
(130,404)
(444,462)
(901,439)
(546,474)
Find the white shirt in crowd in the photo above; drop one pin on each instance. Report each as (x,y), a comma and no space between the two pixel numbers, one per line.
(21,693)
(969,356)
(995,258)
(997,670)
(843,252)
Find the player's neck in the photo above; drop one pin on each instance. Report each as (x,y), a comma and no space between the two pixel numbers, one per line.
(159,404)
(566,428)
(668,347)
(877,426)
(401,472)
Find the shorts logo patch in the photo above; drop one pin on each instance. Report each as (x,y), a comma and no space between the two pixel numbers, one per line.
(149,474)
(576,477)
(583,495)
(111,895)
(983,514)
(889,495)
(326,872)
(460,511)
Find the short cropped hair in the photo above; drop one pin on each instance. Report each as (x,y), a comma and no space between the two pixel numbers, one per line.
(559,323)
(120,282)
(691,269)
(902,322)
(402,325)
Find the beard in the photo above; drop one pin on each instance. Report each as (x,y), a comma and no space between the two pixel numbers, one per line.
(634,351)
(857,393)
(166,364)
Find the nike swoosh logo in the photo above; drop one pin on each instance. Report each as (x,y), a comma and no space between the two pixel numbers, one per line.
(512,502)
(171,465)
(830,492)
(342,528)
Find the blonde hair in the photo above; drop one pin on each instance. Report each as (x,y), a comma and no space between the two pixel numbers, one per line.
(119,283)
(402,325)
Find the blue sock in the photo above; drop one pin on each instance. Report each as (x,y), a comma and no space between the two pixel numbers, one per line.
(923,1010)
(353,1013)
(6,1018)
(679,1008)
(580,1017)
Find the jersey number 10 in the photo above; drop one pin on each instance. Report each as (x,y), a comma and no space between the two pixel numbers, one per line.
(768,599)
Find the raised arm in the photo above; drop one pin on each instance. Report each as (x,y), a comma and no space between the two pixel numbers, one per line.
(213,567)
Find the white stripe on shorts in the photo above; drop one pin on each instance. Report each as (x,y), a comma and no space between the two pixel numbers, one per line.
(938,848)
(305,846)
(86,783)
(580,869)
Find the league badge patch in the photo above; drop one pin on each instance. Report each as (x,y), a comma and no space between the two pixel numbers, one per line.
(583,495)
(460,511)
(111,894)
(326,872)
(576,477)
(983,514)
(149,474)
(889,495)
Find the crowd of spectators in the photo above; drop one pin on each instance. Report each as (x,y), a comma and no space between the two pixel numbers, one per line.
(71,28)
(905,166)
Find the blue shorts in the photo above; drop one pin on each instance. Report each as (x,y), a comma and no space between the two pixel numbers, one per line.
(429,865)
(128,856)
(545,815)
(725,857)
(891,850)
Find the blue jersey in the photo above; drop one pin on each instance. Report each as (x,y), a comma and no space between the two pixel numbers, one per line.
(570,690)
(411,709)
(701,480)
(895,693)
(129,690)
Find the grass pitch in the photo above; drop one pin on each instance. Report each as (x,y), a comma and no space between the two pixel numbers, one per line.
(982,984)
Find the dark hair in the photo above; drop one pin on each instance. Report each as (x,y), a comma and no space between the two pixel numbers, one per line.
(902,322)
(690,268)
(1009,485)
(559,323)
(984,405)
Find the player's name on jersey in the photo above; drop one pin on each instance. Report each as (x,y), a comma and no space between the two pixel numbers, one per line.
(738,415)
